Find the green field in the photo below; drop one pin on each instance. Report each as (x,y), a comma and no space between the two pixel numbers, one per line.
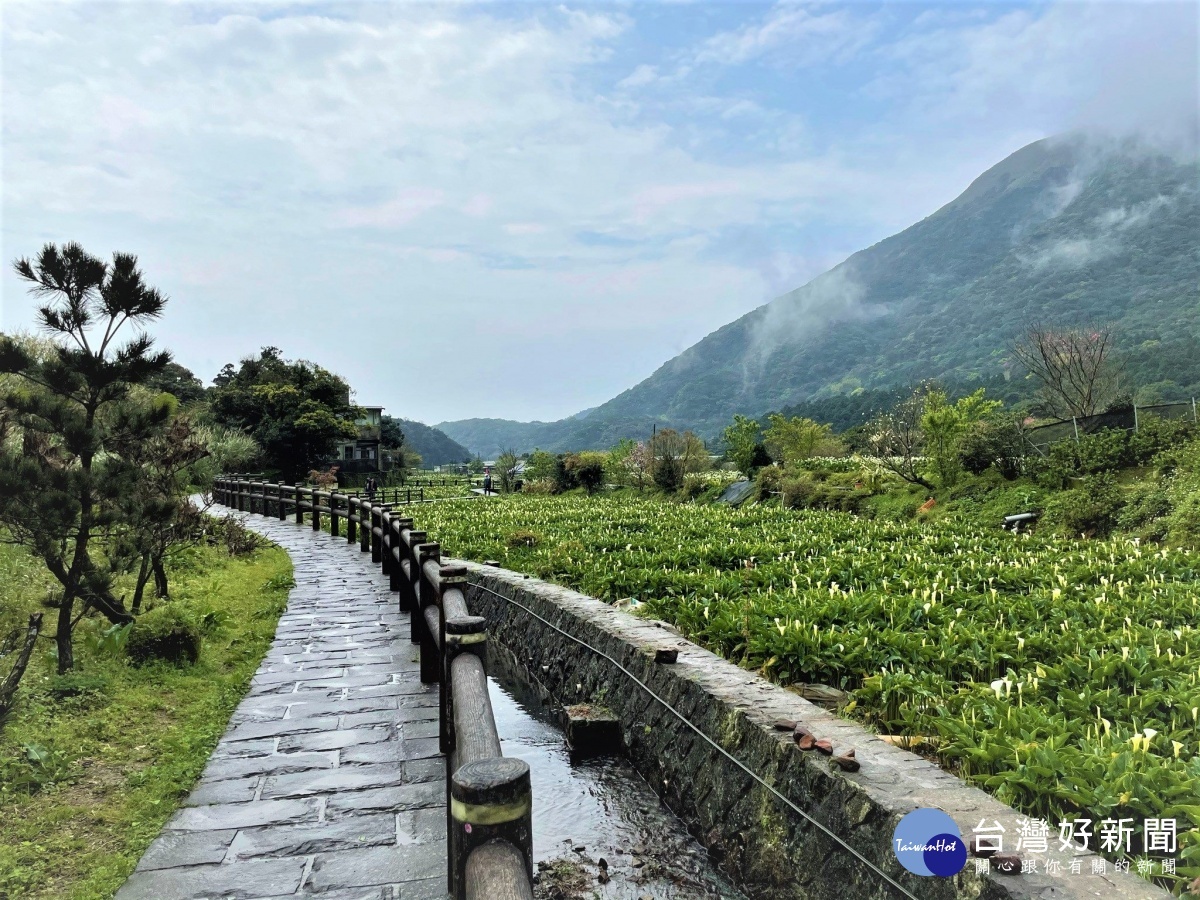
(92,764)
(1061,676)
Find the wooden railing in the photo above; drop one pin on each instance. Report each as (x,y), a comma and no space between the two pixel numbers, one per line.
(489,799)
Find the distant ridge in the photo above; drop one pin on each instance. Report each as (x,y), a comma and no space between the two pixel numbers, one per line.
(435,446)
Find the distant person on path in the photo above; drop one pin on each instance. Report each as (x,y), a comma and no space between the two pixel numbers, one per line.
(487,482)
(371,488)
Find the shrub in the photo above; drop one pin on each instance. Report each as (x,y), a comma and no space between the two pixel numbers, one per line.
(1155,434)
(668,474)
(164,633)
(523,538)
(586,470)
(1091,509)
(236,538)
(1104,451)
(1145,504)
(798,493)
(995,441)
(564,475)
(768,482)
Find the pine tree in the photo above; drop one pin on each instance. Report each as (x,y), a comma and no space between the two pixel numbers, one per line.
(67,406)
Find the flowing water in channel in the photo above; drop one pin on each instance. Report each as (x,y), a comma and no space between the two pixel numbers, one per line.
(597,809)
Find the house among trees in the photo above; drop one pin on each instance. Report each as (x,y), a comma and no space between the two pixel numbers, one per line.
(364,453)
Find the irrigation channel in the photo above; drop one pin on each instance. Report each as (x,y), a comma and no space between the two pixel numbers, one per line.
(598,827)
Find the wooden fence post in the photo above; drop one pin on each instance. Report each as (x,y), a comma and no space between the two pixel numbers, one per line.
(376,540)
(333,513)
(385,544)
(449,577)
(427,596)
(396,573)
(490,800)
(365,516)
(351,526)
(410,600)
(316,511)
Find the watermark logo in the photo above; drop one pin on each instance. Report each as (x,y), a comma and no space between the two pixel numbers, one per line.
(927,842)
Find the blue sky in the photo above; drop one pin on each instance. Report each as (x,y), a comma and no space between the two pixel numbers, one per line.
(527,208)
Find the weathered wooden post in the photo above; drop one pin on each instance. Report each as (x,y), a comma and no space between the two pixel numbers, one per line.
(427,598)
(462,635)
(376,539)
(364,524)
(491,801)
(351,525)
(282,510)
(241,504)
(408,590)
(386,562)
(316,510)
(299,510)
(467,633)
(334,500)
(395,555)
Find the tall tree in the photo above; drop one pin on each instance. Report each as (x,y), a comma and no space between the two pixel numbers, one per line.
(791,440)
(1075,368)
(297,411)
(60,484)
(945,425)
(675,455)
(744,446)
(506,470)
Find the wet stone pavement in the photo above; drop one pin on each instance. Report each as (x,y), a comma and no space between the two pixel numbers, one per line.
(328,782)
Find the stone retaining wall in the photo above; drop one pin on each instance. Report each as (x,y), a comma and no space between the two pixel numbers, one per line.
(766,847)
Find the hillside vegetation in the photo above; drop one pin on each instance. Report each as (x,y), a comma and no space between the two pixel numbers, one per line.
(435,447)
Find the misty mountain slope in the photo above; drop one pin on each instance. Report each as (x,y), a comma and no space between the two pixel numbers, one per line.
(1065,230)
(436,447)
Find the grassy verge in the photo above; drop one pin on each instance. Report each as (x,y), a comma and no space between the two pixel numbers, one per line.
(92,765)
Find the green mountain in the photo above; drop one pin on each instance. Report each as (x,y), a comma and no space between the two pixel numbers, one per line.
(435,446)
(1064,231)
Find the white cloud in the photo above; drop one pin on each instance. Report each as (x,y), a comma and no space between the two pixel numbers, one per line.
(407,205)
(1120,67)
(792,34)
(524,228)
(639,77)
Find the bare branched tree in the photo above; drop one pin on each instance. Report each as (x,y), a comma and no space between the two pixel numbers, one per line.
(1075,368)
(897,439)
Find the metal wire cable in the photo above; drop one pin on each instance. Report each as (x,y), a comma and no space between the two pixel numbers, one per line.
(737,762)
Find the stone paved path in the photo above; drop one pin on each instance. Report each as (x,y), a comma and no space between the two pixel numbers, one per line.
(328,782)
